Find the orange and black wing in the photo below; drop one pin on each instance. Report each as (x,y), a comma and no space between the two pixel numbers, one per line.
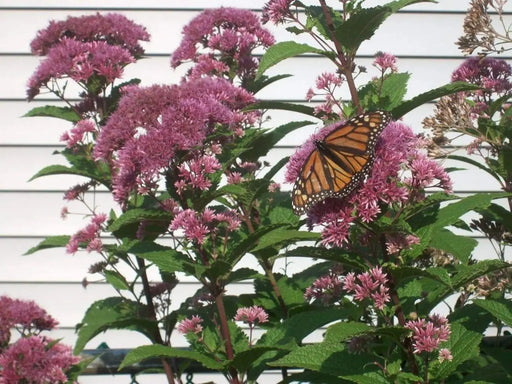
(340,162)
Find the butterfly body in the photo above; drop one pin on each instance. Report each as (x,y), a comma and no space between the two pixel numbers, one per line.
(340,162)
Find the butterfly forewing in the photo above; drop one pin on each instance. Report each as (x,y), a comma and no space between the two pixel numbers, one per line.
(340,162)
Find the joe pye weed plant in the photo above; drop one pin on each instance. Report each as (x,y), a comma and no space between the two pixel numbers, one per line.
(194,196)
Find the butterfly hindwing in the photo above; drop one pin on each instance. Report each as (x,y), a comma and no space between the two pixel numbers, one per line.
(339,162)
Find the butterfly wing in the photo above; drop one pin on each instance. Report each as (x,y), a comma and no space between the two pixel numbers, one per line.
(340,162)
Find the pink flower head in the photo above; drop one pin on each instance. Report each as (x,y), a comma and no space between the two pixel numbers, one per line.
(228,33)
(368,285)
(112,28)
(25,315)
(79,61)
(491,73)
(326,289)
(151,124)
(385,61)
(445,355)
(77,134)
(192,224)
(36,359)
(399,241)
(428,334)
(277,11)
(90,235)
(194,173)
(251,315)
(192,325)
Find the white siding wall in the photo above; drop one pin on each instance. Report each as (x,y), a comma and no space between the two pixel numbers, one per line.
(422,38)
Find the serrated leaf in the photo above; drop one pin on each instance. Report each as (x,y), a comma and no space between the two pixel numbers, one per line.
(341,331)
(57,169)
(326,358)
(165,258)
(360,27)
(264,143)
(115,279)
(463,345)
(459,246)
(283,106)
(281,51)
(431,95)
(137,215)
(49,242)
(500,310)
(148,351)
(64,113)
(282,235)
(337,255)
(113,313)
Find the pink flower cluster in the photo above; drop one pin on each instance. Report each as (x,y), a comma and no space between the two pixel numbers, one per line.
(326,289)
(78,134)
(385,61)
(151,124)
(488,72)
(113,28)
(80,61)
(193,173)
(36,359)
(90,235)
(32,358)
(428,334)
(326,84)
(192,325)
(221,41)
(368,285)
(251,315)
(196,226)
(400,173)
(26,316)
(277,11)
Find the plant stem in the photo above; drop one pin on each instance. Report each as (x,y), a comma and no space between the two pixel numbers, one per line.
(226,335)
(398,307)
(149,299)
(346,63)
(268,270)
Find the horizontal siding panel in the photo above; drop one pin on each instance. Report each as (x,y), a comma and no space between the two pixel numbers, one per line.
(165,28)
(57,266)
(29,160)
(443,5)
(425,74)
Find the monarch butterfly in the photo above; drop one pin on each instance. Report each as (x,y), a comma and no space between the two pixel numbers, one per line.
(339,162)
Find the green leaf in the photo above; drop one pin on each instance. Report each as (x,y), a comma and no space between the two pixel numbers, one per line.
(49,242)
(114,313)
(64,170)
(342,331)
(283,106)
(148,351)
(265,142)
(64,113)
(165,258)
(138,215)
(502,310)
(474,163)
(326,358)
(337,255)
(463,345)
(281,235)
(115,279)
(459,246)
(290,332)
(465,274)
(242,361)
(433,94)
(281,51)
(360,27)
